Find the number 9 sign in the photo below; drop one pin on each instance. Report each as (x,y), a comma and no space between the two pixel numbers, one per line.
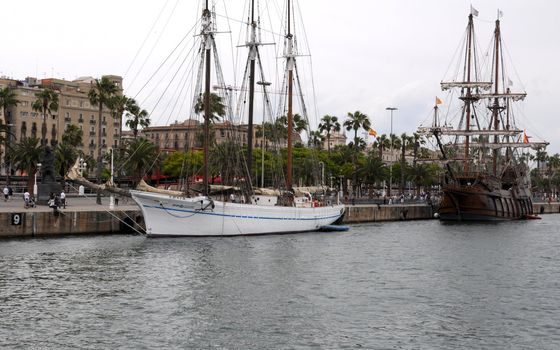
(17,218)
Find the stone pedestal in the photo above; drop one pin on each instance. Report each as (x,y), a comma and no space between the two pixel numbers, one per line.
(45,190)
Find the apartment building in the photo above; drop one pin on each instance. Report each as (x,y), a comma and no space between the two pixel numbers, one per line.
(73,108)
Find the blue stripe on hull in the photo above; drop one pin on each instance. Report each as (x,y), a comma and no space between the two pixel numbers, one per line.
(198,212)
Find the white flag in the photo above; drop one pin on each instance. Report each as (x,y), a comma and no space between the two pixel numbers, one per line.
(510,83)
(474,11)
(500,14)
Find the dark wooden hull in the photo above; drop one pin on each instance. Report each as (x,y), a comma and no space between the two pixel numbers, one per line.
(478,202)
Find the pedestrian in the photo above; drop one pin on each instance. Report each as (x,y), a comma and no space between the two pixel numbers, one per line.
(6,193)
(63,199)
(26,199)
(52,203)
(10,192)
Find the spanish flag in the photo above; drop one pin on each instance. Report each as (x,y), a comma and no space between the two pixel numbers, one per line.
(372,132)
(438,101)
(525,137)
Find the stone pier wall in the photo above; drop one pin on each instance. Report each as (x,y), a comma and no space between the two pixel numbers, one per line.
(33,224)
(546,208)
(373,213)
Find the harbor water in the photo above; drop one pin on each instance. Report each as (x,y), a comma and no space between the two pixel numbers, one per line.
(395,285)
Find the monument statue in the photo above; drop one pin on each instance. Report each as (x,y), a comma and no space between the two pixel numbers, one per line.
(47,166)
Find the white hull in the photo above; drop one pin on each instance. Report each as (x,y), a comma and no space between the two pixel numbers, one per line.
(166,215)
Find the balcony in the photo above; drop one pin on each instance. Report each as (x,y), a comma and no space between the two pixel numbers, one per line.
(117,124)
(68,119)
(92,145)
(92,133)
(92,122)
(104,146)
(80,120)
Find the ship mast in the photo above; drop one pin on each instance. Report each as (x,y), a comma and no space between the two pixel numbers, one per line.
(468,98)
(207,34)
(496,107)
(290,67)
(252,56)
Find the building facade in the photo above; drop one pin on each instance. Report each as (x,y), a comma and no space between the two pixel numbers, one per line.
(188,135)
(74,108)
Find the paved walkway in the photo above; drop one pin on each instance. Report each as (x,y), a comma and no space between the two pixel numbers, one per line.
(16,204)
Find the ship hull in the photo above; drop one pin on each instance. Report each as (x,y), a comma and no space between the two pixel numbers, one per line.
(166,215)
(478,203)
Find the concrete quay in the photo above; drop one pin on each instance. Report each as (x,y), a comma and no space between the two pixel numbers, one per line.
(84,216)
(81,216)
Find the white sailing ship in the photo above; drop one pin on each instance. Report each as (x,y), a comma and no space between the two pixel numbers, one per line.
(180,215)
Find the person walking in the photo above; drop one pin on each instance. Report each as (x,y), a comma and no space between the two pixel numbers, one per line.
(6,193)
(10,192)
(63,199)
(26,198)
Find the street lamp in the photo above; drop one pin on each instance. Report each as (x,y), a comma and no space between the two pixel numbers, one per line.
(35,184)
(391,136)
(322,173)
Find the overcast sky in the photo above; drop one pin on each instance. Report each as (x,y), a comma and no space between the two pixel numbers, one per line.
(366,54)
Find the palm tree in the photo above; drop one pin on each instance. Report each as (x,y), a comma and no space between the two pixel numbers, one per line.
(119,104)
(73,135)
(26,154)
(46,103)
(406,142)
(7,100)
(356,121)
(66,155)
(100,95)
(316,138)
(329,124)
(136,117)
(382,143)
(373,171)
(217,108)
(141,157)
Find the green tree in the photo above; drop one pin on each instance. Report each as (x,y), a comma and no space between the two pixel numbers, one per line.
(136,117)
(381,144)
(118,105)
(73,135)
(316,139)
(217,107)
(372,172)
(7,100)
(66,155)
(356,121)
(46,103)
(100,95)
(329,124)
(141,157)
(406,143)
(26,154)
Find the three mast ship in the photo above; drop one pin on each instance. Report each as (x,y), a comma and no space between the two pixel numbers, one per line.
(486,175)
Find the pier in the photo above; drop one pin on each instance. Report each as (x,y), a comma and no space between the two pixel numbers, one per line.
(83,216)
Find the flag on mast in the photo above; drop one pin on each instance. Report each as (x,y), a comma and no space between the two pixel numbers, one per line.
(372,132)
(438,101)
(525,137)
(474,11)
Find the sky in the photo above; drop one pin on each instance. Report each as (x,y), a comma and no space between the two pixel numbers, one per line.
(366,55)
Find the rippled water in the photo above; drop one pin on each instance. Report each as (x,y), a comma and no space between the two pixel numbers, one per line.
(402,285)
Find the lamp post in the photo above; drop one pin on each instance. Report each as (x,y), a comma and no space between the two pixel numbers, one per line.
(322,164)
(35,182)
(111,197)
(391,109)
